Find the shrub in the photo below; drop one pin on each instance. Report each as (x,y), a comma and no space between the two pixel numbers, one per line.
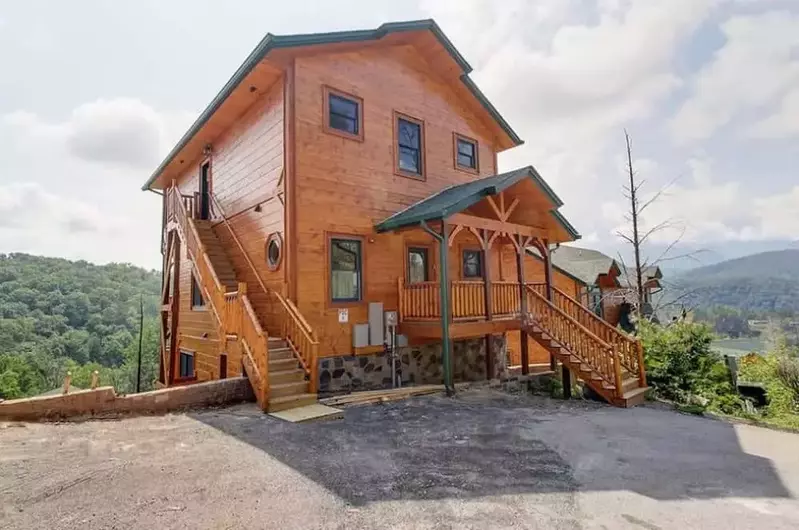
(788,372)
(781,397)
(682,367)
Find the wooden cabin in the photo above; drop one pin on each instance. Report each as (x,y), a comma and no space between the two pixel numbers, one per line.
(335,221)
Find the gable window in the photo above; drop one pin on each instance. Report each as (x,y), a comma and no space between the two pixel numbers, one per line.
(346,269)
(417,265)
(186,368)
(343,114)
(410,146)
(472,264)
(466,154)
(196,294)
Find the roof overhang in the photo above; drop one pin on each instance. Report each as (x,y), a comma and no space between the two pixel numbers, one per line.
(272,43)
(460,197)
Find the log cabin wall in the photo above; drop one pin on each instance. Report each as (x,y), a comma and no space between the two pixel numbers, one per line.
(246,164)
(345,186)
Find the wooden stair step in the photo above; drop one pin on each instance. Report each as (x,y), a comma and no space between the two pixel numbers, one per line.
(635,397)
(288,389)
(286,376)
(280,365)
(275,342)
(290,402)
(279,354)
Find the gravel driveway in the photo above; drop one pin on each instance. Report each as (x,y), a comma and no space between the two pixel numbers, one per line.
(480,460)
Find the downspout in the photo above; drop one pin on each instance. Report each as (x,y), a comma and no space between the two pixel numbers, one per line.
(443,278)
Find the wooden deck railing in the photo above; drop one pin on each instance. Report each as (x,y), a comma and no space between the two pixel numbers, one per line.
(505,299)
(468,299)
(232,312)
(419,301)
(294,327)
(581,342)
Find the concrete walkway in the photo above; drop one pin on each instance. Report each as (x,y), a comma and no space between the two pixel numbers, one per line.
(480,460)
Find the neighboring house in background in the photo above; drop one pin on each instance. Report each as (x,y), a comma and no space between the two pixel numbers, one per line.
(342,181)
(605,283)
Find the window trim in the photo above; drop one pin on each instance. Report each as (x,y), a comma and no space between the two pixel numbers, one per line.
(456,137)
(277,238)
(193,355)
(422,175)
(429,272)
(326,92)
(195,286)
(479,252)
(329,237)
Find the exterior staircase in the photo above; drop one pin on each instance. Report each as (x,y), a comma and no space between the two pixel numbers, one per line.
(609,361)
(281,370)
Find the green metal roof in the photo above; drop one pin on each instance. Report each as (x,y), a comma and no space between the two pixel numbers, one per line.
(458,197)
(271,42)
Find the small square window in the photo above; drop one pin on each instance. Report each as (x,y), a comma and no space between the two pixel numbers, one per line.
(196,294)
(466,153)
(417,265)
(343,114)
(472,264)
(409,146)
(186,369)
(346,274)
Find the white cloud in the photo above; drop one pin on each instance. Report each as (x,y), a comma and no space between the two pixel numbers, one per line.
(118,132)
(704,209)
(753,69)
(782,123)
(569,76)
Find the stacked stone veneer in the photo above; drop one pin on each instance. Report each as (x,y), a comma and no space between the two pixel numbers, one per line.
(420,365)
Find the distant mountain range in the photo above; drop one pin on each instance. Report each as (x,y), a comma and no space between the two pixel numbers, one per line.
(768,281)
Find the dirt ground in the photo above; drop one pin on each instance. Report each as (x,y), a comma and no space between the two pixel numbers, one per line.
(480,460)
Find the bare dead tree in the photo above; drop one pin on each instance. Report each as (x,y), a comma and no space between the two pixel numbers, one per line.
(637,235)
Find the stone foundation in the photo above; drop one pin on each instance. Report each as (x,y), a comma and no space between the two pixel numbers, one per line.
(420,365)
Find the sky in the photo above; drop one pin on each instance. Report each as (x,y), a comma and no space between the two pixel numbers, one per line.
(94,94)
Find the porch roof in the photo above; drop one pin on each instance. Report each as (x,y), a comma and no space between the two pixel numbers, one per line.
(459,197)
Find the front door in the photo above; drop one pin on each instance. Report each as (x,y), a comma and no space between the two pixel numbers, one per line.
(205,191)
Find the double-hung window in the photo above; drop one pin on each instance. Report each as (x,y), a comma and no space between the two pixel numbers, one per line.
(343,114)
(466,154)
(410,146)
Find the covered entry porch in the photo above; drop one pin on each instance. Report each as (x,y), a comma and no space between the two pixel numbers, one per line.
(512,210)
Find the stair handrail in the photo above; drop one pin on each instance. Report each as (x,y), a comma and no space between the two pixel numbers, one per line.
(608,348)
(629,348)
(305,347)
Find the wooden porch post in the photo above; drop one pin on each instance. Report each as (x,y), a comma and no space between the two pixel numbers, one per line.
(565,374)
(444,297)
(487,299)
(523,341)
(544,249)
(175,308)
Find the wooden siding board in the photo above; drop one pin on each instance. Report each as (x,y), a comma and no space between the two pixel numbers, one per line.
(345,186)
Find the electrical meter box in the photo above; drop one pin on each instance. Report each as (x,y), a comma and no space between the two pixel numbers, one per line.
(391,318)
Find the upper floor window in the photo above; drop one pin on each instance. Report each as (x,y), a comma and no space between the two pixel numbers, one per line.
(343,114)
(466,153)
(346,269)
(410,146)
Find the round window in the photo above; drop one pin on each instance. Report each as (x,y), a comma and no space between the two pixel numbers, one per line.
(274,247)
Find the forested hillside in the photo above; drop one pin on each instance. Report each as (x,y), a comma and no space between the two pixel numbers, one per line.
(761,283)
(58,315)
